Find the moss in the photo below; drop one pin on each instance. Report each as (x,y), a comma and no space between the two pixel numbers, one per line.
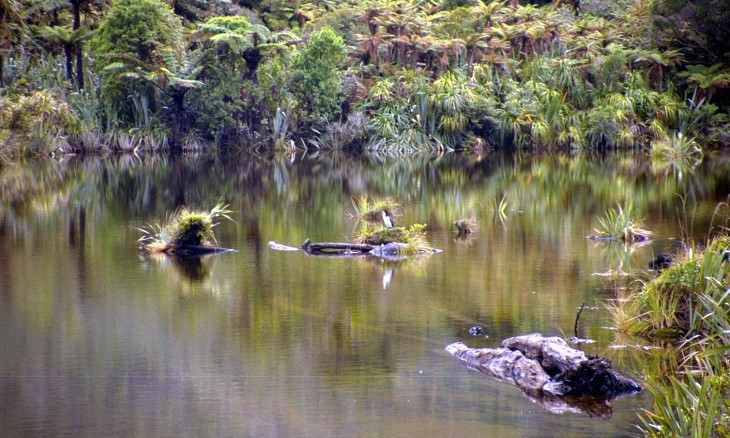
(192,228)
(384,236)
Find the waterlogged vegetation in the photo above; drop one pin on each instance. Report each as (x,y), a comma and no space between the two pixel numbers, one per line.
(620,224)
(378,75)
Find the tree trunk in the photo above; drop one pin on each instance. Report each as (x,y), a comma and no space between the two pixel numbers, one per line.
(68,50)
(78,46)
(178,118)
(80,66)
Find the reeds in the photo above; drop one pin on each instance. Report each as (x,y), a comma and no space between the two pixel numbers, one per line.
(689,406)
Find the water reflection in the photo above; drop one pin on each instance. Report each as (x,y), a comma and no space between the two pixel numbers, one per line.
(269,343)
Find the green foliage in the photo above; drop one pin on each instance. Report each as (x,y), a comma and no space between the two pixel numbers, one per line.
(219,106)
(183,228)
(620,224)
(38,111)
(689,406)
(370,210)
(421,75)
(316,77)
(137,35)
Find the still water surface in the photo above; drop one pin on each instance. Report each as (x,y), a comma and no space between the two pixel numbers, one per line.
(101,340)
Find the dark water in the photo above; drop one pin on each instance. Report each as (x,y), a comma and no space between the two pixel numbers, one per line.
(98,339)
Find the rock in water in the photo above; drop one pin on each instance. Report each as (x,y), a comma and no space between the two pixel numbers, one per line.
(547,369)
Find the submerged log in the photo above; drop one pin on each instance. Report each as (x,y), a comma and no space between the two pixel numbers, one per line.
(195,250)
(336,248)
(549,371)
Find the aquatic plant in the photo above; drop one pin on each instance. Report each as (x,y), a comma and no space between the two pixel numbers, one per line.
(414,237)
(620,224)
(371,210)
(183,228)
(678,147)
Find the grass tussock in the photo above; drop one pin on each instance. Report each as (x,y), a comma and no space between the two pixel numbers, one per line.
(620,224)
(414,237)
(370,210)
(183,228)
(689,298)
(676,147)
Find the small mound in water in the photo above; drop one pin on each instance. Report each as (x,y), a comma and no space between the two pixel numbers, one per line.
(186,232)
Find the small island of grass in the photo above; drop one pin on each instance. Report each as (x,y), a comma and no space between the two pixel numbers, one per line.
(186,232)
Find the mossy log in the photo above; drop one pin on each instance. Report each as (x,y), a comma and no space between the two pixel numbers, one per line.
(549,371)
(386,235)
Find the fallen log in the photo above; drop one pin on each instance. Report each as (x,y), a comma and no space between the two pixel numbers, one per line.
(338,248)
(550,372)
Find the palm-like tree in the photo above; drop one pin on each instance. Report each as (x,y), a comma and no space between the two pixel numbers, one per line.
(371,43)
(246,40)
(69,39)
(170,78)
(706,80)
(656,62)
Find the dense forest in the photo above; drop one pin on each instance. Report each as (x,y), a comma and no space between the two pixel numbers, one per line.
(91,75)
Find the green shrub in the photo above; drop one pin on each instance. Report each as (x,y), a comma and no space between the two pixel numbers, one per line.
(316,78)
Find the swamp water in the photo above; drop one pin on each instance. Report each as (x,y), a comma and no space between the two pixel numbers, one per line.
(99,339)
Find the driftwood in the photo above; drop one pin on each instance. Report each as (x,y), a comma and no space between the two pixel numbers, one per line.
(387,251)
(550,372)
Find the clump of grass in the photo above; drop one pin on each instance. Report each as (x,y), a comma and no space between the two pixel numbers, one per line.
(689,407)
(184,228)
(371,210)
(679,146)
(382,236)
(619,224)
(414,237)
